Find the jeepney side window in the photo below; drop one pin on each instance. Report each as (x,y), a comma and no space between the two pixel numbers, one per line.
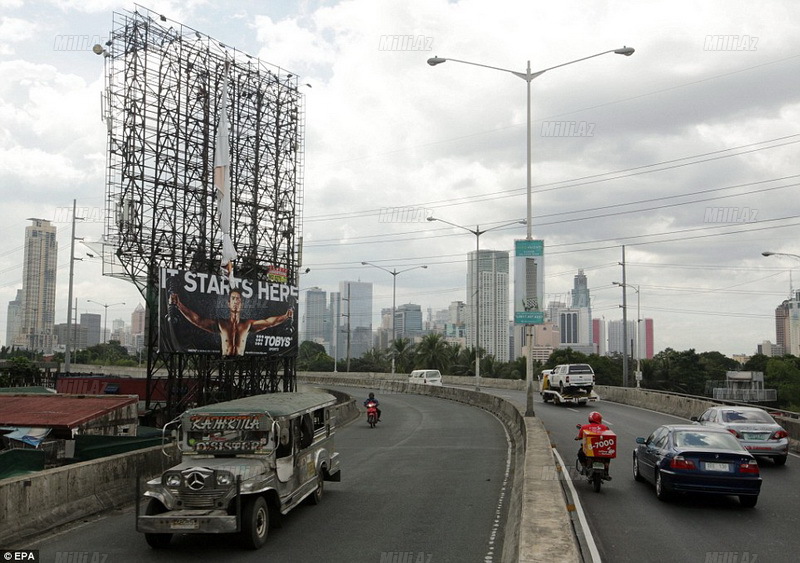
(319,420)
(284,439)
(306,431)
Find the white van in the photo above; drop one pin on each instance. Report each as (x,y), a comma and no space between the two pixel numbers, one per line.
(426,377)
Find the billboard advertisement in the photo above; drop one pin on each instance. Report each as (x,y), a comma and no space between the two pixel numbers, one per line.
(528,282)
(206,313)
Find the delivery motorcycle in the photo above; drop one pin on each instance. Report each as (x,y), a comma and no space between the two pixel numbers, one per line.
(599,449)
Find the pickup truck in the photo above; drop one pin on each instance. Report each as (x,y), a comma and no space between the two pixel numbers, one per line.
(570,378)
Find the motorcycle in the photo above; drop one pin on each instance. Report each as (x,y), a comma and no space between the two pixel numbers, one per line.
(372,413)
(599,449)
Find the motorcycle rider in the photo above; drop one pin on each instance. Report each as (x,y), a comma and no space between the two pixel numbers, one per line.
(372,399)
(595,425)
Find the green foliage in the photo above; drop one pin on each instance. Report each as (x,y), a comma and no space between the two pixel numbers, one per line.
(783,374)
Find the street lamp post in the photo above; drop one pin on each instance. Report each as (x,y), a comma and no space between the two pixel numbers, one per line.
(478,232)
(394,273)
(105,321)
(528,77)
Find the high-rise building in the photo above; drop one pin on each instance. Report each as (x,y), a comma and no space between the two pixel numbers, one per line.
(94,332)
(356,306)
(408,321)
(492,269)
(138,321)
(14,319)
(37,325)
(316,315)
(599,337)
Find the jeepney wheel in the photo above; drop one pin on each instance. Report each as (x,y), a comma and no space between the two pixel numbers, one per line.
(316,496)
(156,541)
(255,522)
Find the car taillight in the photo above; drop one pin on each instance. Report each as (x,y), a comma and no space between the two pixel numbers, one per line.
(749,467)
(780,434)
(680,462)
(734,432)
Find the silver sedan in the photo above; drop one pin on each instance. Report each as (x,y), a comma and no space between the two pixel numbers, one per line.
(754,427)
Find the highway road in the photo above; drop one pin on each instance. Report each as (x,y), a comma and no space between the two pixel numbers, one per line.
(629,524)
(425,485)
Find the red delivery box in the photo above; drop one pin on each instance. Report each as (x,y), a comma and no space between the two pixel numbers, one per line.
(600,444)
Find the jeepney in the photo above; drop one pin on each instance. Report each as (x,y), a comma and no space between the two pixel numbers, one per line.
(244,463)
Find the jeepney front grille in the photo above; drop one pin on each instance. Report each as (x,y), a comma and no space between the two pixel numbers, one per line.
(200,499)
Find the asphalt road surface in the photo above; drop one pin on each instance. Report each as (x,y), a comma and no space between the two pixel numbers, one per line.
(425,485)
(629,524)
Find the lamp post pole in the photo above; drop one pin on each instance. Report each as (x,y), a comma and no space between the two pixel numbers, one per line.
(528,77)
(478,232)
(394,273)
(105,321)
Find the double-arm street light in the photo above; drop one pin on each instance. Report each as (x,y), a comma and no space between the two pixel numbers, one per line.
(477,231)
(394,273)
(528,77)
(638,376)
(105,322)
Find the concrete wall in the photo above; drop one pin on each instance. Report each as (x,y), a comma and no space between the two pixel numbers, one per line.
(40,501)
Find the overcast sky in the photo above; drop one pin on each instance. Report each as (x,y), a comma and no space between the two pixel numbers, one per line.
(686,152)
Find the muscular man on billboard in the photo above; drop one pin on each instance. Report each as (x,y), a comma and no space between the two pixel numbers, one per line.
(233,330)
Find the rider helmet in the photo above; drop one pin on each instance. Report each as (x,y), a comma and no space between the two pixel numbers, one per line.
(372,395)
(595,417)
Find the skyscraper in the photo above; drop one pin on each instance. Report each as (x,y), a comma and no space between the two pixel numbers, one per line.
(316,315)
(356,307)
(492,268)
(14,319)
(38,287)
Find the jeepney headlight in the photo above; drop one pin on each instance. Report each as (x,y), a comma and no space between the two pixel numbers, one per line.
(224,479)
(173,480)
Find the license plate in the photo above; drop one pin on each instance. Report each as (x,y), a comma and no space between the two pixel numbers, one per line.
(717,466)
(598,465)
(184,525)
(753,436)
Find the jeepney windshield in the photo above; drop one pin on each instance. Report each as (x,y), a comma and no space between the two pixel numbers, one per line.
(225,435)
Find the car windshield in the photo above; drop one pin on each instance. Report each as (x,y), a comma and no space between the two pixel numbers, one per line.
(705,440)
(740,416)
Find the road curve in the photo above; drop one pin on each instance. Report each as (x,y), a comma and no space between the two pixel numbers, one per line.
(426,485)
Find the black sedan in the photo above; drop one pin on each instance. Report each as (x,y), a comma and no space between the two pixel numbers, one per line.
(690,458)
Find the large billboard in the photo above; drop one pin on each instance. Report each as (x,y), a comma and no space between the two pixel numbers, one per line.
(206,313)
(528,282)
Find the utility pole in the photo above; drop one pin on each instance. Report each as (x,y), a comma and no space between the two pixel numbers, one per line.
(68,342)
(624,323)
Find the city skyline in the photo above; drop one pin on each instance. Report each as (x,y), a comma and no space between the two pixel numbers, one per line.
(682,152)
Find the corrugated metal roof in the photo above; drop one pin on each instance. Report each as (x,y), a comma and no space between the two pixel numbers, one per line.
(276,404)
(56,410)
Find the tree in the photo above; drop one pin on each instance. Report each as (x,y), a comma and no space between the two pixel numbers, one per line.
(404,355)
(432,353)
(783,374)
(311,356)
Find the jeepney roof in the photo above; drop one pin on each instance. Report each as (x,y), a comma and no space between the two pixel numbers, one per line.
(274,404)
